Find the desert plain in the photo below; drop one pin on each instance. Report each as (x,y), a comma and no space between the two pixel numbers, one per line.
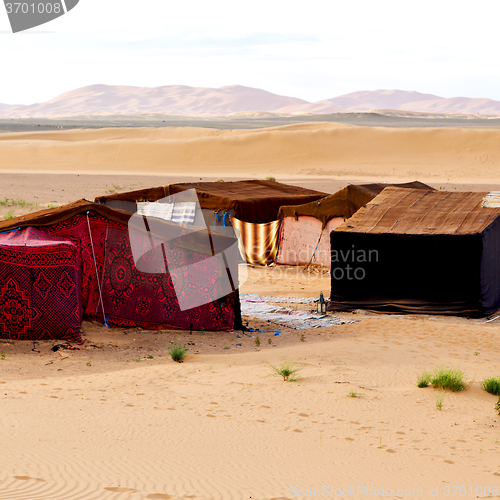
(118,419)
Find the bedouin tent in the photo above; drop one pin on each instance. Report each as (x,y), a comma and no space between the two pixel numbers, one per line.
(418,251)
(304,236)
(113,289)
(250,206)
(40,286)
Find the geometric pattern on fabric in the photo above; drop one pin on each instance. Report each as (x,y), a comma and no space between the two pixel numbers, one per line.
(66,284)
(76,227)
(17,314)
(42,285)
(149,300)
(298,242)
(32,305)
(258,243)
(132,298)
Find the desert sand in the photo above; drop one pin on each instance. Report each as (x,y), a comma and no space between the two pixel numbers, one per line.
(326,150)
(107,422)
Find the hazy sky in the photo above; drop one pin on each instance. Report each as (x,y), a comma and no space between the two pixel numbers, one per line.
(312,49)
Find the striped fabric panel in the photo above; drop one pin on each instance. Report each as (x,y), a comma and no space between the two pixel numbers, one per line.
(154,209)
(258,243)
(184,213)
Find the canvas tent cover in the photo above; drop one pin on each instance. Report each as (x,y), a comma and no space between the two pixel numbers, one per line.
(344,203)
(256,201)
(411,250)
(129,296)
(40,286)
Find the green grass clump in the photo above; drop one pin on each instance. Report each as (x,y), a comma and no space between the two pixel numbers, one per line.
(424,379)
(10,215)
(177,352)
(449,378)
(286,370)
(497,406)
(270,178)
(353,394)
(492,385)
(439,400)
(257,341)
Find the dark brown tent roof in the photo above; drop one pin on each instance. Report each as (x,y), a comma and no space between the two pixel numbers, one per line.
(344,203)
(417,211)
(54,215)
(252,200)
(196,240)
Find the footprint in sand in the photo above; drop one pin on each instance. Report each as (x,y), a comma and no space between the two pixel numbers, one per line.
(210,415)
(117,489)
(303,415)
(389,450)
(449,461)
(27,478)
(297,430)
(159,496)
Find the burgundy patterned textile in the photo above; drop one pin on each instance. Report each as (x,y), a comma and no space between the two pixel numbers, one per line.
(77,227)
(135,299)
(40,286)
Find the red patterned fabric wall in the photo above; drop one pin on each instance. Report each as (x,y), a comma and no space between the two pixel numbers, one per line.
(40,287)
(135,299)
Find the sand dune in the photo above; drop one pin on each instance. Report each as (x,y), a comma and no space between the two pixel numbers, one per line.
(313,149)
(172,99)
(108,421)
(234,99)
(219,427)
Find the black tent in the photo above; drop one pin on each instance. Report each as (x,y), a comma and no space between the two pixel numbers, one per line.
(418,251)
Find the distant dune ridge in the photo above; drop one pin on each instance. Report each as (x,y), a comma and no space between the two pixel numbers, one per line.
(200,101)
(301,151)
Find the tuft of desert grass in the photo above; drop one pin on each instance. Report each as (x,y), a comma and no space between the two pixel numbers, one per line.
(287,370)
(423,379)
(353,394)
(439,399)
(492,385)
(453,379)
(177,352)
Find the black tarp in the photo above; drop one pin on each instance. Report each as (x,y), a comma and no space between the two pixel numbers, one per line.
(410,252)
